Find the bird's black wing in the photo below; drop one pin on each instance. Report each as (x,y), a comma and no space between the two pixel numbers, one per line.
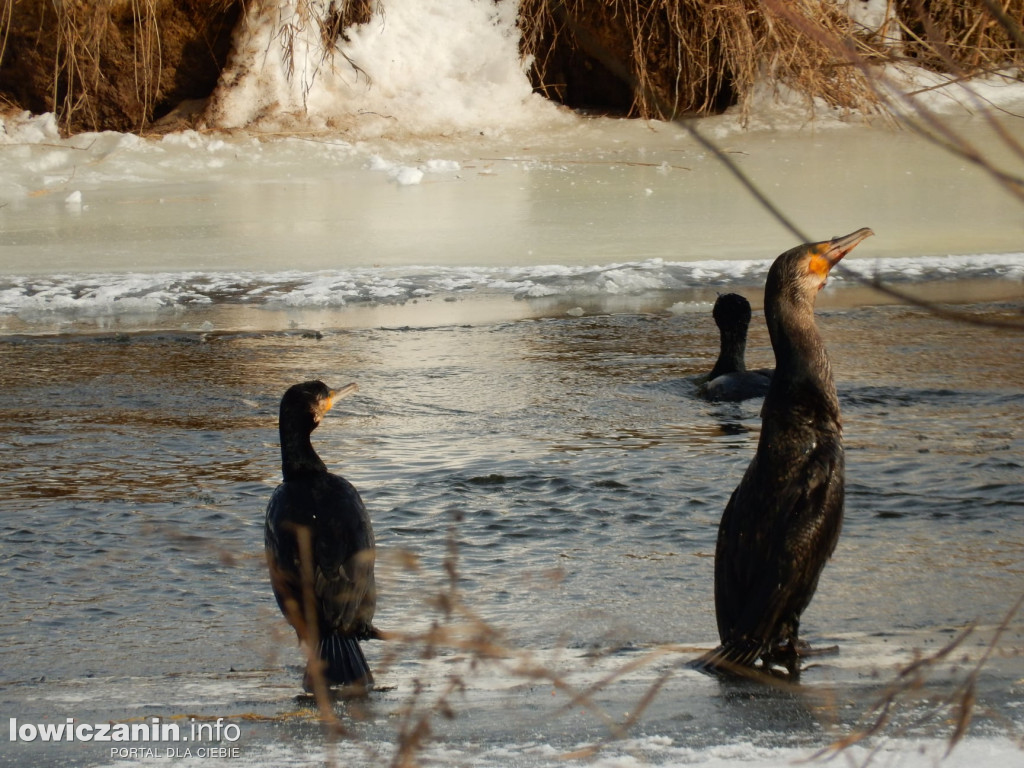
(815,516)
(285,518)
(778,530)
(345,553)
(331,513)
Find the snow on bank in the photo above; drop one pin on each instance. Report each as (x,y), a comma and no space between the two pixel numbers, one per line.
(417,67)
(453,67)
(24,128)
(907,93)
(452,70)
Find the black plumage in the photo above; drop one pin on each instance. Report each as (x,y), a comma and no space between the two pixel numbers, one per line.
(729,379)
(782,522)
(320,546)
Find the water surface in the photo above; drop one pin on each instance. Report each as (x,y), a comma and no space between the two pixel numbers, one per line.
(564,470)
(546,489)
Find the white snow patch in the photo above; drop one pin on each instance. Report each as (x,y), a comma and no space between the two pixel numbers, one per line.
(24,128)
(73,202)
(405,176)
(374,84)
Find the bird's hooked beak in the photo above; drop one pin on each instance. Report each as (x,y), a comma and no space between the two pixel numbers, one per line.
(827,254)
(338,394)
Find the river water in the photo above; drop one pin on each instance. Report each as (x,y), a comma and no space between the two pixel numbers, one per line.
(524,323)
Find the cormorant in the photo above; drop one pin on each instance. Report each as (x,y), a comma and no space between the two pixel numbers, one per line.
(320,546)
(730,380)
(782,522)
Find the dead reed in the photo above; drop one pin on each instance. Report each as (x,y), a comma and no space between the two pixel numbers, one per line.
(106,52)
(120,64)
(681,57)
(685,57)
(938,687)
(957,706)
(967,37)
(677,57)
(111,65)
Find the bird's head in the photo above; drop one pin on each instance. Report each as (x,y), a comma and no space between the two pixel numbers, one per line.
(310,401)
(801,272)
(731,311)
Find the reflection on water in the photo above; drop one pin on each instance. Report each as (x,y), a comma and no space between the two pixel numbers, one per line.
(567,459)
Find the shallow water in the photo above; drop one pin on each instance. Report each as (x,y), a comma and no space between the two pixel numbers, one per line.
(565,466)
(523,325)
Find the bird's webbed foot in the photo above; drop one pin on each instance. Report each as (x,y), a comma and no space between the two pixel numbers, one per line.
(789,654)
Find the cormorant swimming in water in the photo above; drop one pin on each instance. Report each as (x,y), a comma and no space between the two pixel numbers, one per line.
(320,546)
(730,380)
(782,522)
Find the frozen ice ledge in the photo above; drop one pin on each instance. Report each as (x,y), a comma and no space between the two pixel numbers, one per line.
(72,296)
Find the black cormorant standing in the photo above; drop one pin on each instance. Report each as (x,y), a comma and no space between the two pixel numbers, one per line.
(730,380)
(320,547)
(782,522)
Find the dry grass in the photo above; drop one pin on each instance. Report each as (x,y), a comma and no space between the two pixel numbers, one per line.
(76,64)
(938,687)
(681,57)
(957,707)
(678,57)
(473,647)
(148,59)
(696,56)
(963,37)
(111,63)
(89,38)
(330,23)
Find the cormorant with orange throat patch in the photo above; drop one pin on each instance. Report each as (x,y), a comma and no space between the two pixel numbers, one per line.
(782,522)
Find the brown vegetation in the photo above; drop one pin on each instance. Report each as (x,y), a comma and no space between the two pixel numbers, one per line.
(124,64)
(665,58)
(117,65)
(974,36)
(673,57)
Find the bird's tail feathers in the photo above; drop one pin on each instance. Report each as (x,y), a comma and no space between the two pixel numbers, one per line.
(343,662)
(735,659)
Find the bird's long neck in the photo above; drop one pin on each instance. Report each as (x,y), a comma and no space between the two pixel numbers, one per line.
(803,375)
(731,353)
(298,457)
